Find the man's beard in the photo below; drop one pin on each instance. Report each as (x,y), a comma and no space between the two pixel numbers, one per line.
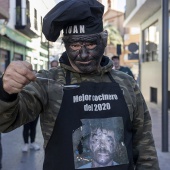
(102,156)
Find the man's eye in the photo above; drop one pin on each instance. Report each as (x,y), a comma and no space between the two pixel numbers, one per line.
(91,46)
(75,46)
(95,140)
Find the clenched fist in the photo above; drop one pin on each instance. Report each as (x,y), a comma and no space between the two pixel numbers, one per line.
(17,75)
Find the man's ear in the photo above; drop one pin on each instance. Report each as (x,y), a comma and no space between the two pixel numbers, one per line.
(104,36)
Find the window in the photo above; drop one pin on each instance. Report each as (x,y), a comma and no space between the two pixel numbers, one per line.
(153,92)
(151,43)
(17,57)
(28,11)
(18,13)
(41,29)
(35,19)
(4,60)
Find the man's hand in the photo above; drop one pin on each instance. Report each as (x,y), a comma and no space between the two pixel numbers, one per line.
(17,75)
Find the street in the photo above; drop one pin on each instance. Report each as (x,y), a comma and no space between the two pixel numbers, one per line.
(15,159)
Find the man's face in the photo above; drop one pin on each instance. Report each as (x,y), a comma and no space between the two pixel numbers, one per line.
(85,52)
(116,62)
(102,145)
(54,64)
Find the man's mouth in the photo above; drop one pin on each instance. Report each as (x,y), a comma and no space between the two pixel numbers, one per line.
(84,62)
(103,154)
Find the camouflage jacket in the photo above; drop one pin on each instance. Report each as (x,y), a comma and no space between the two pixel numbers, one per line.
(41,97)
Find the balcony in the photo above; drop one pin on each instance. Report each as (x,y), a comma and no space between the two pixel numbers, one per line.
(4,9)
(4,14)
(130,7)
(137,11)
(23,23)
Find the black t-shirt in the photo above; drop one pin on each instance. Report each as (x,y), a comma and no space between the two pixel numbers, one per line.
(126,70)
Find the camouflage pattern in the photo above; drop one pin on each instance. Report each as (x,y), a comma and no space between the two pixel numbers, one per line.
(44,97)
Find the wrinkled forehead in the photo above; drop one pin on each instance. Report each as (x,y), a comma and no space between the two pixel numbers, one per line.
(102,132)
(82,38)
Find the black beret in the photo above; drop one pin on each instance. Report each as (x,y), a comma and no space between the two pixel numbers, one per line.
(74,17)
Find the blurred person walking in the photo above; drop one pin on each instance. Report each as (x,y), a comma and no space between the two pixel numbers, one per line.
(29,132)
(54,63)
(117,66)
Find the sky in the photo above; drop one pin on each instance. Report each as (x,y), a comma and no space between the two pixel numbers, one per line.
(57,1)
(121,5)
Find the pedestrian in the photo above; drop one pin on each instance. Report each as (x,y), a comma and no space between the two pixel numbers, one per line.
(54,63)
(29,133)
(117,66)
(84,87)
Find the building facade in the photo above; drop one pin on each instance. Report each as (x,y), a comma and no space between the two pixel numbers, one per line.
(147,15)
(120,35)
(21,35)
(113,23)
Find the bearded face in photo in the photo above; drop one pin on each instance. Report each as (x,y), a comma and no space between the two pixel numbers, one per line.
(102,145)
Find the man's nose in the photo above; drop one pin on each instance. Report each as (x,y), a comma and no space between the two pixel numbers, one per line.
(102,144)
(83,52)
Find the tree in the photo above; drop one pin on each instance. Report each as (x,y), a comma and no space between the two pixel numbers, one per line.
(114,36)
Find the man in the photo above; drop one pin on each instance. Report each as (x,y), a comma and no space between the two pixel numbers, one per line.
(116,64)
(84,87)
(54,63)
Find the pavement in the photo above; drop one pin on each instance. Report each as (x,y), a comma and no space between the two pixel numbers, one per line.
(15,159)
(156,116)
